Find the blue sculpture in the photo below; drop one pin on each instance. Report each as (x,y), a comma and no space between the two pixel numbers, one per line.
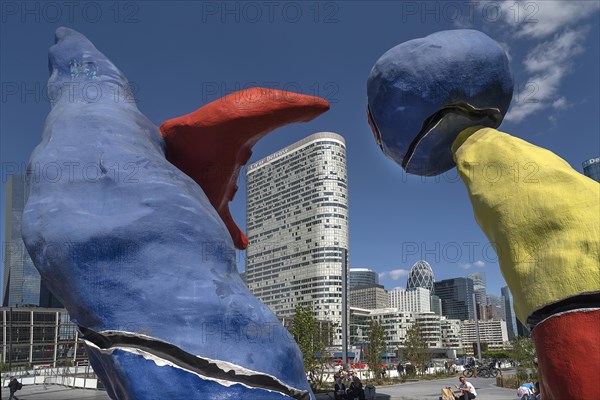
(137,253)
(421,93)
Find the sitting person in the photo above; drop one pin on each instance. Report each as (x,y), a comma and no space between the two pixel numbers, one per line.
(355,391)
(339,391)
(537,395)
(467,390)
(525,391)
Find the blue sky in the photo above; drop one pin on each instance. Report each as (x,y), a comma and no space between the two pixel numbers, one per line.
(181,55)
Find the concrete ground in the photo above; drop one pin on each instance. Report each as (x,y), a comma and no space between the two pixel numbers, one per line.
(55,392)
(428,390)
(422,390)
(431,390)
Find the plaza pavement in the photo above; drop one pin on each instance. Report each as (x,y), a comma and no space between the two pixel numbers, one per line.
(429,390)
(422,390)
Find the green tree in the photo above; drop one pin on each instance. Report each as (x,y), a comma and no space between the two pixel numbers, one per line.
(523,351)
(415,348)
(498,354)
(376,347)
(306,332)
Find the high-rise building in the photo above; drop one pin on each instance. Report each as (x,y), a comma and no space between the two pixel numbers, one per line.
(297,223)
(436,304)
(495,308)
(416,300)
(368,297)
(363,277)
(421,275)
(23,285)
(457,298)
(40,336)
(522,330)
(509,309)
(591,168)
(479,283)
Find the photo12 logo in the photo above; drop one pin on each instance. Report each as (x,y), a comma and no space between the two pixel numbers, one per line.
(93,91)
(253,12)
(516,12)
(70,171)
(68,12)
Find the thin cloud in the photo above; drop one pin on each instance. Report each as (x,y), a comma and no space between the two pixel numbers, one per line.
(549,62)
(478,263)
(394,274)
(556,36)
(561,104)
(505,46)
(543,18)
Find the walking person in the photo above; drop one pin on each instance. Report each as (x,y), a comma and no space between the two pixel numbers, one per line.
(467,390)
(400,369)
(13,386)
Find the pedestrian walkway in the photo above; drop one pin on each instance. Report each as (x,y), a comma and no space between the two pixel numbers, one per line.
(422,390)
(55,392)
(429,390)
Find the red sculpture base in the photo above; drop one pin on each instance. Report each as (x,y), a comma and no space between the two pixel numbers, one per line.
(568,350)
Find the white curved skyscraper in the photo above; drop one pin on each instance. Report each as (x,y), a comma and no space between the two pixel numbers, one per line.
(298,227)
(421,275)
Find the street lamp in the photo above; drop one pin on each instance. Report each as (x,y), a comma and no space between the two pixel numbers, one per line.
(345,308)
(10,353)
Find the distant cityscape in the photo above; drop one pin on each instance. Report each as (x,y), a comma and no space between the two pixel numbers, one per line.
(298,235)
(298,241)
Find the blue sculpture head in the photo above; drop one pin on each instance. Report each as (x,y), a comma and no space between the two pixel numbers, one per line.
(423,92)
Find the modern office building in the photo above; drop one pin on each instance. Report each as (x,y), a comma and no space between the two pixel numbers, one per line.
(522,330)
(363,277)
(591,168)
(495,308)
(297,226)
(369,297)
(440,333)
(416,300)
(457,298)
(40,336)
(358,329)
(421,275)
(395,323)
(491,331)
(479,283)
(436,304)
(22,285)
(509,310)
(451,333)
(431,328)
